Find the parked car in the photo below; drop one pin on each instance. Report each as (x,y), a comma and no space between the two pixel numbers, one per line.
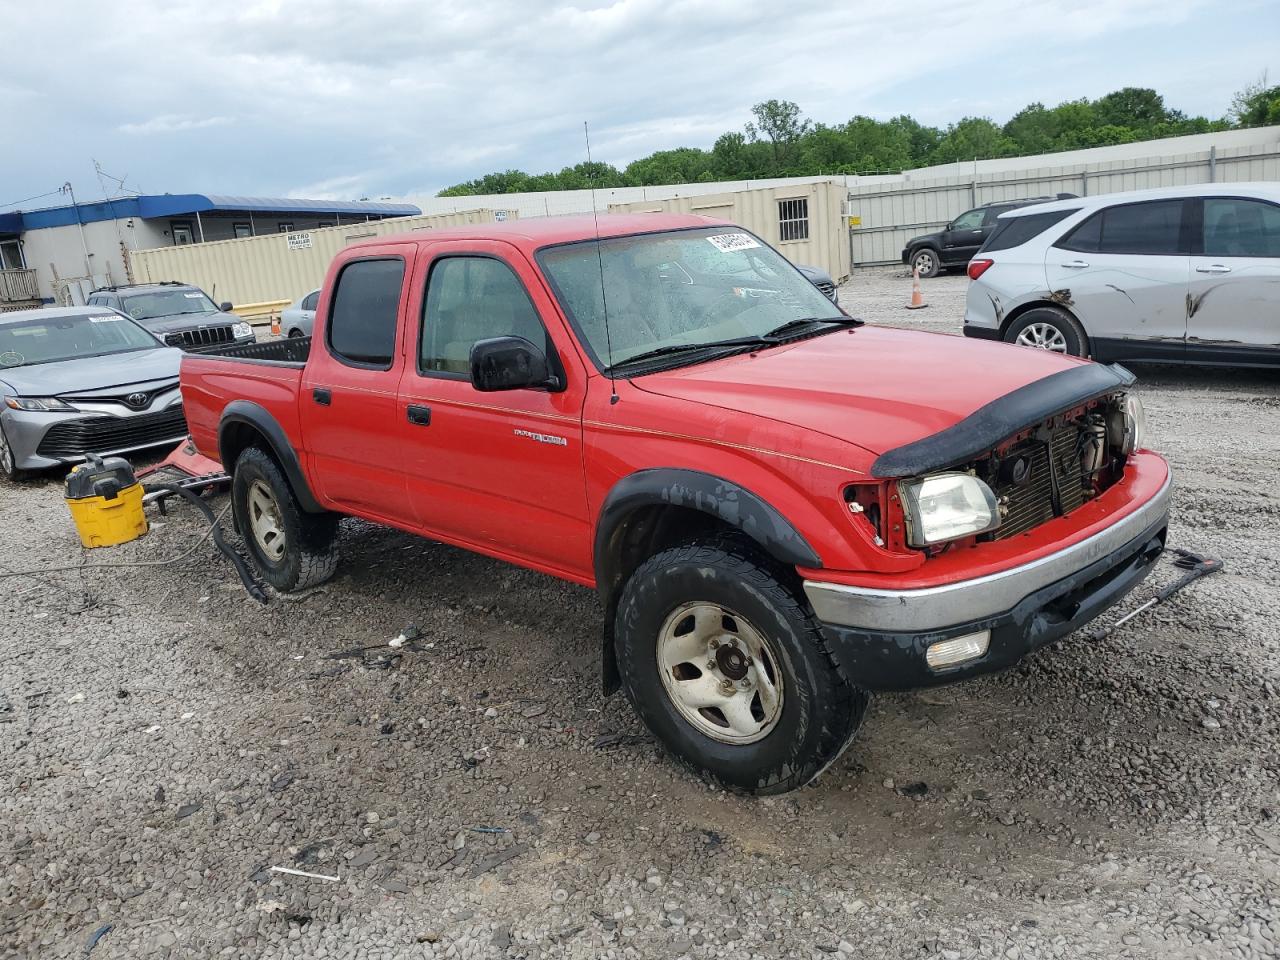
(179,314)
(297,318)
(822,280)
(81,380)
(1180,274)
(781,508)
(955,245)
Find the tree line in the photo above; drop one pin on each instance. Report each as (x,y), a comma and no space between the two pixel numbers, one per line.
(781,142)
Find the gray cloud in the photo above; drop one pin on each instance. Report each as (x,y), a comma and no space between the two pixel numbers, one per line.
(402,96)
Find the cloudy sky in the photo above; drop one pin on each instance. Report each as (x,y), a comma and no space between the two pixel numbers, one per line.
(343,99)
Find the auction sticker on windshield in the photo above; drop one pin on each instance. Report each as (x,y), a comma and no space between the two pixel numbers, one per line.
(729,242)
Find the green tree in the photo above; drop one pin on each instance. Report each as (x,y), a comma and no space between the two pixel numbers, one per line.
(1134,107)
(779,122)
(973,138)
(1257,105)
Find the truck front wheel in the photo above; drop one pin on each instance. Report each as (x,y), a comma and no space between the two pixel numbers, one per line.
(728,668)
(291,548)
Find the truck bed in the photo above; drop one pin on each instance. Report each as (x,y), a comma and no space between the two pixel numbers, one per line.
(267,375)
(291,350)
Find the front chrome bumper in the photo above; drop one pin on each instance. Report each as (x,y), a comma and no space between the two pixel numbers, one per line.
(935,608)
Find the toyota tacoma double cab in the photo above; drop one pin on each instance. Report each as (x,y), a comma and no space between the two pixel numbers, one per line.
(783,509)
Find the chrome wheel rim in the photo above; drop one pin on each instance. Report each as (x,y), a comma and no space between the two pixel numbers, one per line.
(721,674)
(924,262)
(1045,336)
(265,521)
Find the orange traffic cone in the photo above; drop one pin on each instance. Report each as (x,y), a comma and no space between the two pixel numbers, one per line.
(917,295)
(275,324)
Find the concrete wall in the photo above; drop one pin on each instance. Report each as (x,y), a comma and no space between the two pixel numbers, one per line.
(827,245)
(888,215)
(266,268)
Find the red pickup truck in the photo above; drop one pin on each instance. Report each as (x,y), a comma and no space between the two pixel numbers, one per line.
(781,507)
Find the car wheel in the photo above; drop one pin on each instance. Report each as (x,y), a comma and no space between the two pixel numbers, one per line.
(1048,328)
(8,462)
(291,548)
(295,334)
(927,261)
(726,665)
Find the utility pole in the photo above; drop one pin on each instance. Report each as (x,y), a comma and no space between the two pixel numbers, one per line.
(84,244)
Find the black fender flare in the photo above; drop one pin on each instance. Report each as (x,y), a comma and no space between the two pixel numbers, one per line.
(260,419)
(675,487)
(670,486)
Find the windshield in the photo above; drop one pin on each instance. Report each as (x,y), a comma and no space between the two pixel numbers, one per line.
(29,342)
(167,303)
(672,289)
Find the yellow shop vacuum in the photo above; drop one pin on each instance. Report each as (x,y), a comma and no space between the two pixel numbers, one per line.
(105,499)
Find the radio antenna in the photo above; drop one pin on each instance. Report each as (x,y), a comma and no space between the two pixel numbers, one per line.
(604,297)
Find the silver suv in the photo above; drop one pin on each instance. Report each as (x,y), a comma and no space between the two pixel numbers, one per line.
(1179,274)
(179,314)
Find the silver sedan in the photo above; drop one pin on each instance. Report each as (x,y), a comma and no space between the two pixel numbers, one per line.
(81,380)
(299,317)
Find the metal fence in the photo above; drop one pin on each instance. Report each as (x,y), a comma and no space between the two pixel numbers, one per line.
(883,217)
(18,286)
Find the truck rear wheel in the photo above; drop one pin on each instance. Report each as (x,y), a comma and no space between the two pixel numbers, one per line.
(291,548)
(728,668)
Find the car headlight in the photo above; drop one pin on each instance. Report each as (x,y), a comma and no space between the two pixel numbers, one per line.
(241,329)
(945,506)
(1127,425)
(38,404)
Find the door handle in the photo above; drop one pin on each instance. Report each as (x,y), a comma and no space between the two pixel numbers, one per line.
(419,414)
(322,396)
(1215,268)
(1075,265)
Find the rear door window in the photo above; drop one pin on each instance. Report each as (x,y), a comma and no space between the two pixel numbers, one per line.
(310,300)
(362,316)
(1151,229)
(1015,231)
(1236,227)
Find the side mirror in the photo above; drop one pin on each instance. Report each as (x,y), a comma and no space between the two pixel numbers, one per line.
(225,306)
(510,363)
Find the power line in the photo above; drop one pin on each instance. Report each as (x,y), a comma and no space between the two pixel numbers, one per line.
(38,196)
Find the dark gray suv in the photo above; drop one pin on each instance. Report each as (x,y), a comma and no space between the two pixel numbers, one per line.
(955,245)
(179,314)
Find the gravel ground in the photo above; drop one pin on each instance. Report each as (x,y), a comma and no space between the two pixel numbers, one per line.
(167,741)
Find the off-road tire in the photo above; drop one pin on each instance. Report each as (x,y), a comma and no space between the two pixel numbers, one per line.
(928,260)
(8,461)
(821,711)
(311,539)
(1076,341)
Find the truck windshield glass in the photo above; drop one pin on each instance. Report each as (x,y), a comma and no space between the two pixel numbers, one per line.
(676,289)
(30,342)
(167,303)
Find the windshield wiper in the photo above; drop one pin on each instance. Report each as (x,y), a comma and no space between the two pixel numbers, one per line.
(792,325)
(770,339)
(690,347)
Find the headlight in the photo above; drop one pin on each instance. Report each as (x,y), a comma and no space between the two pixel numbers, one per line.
(241,329)
(1127,425)
(946,506)
(37,404)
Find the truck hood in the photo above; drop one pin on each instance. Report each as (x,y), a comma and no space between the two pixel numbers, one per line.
(876,387)
(92,373)
(188,321)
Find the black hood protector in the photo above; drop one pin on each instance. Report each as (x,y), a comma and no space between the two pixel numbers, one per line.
(998,420)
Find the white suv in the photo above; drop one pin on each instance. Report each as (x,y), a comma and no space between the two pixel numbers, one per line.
(1179,274)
